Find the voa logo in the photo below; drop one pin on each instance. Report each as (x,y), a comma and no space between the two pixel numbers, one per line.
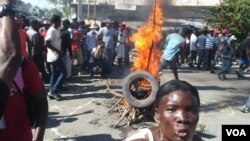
(236,132)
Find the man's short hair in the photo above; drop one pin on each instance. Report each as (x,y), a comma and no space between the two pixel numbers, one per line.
(66,22)
(33,22)
(185,31)
(55,18)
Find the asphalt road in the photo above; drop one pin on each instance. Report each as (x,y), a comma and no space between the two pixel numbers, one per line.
(83,114)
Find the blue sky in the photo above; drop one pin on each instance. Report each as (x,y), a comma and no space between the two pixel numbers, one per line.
(40,3)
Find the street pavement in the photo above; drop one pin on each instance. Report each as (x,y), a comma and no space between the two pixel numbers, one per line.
(83,114)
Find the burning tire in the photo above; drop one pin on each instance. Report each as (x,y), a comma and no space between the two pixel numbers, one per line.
(140,89)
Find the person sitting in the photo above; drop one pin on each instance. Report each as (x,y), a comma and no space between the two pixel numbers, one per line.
(99,59)
(177,110)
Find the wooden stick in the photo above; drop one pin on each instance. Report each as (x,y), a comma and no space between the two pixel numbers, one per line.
(126,111)
(116,104)
(108,90)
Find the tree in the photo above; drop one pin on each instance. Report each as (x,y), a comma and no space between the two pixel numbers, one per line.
(64,6)
(233,15)
(56,11)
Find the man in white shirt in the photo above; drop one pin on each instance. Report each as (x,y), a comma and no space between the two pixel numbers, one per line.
(107,34)
(54,57)
(193,48)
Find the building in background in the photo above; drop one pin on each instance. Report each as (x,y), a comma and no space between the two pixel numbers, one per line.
(177,13)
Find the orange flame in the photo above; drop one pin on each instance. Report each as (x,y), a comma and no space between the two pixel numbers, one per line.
(146,38)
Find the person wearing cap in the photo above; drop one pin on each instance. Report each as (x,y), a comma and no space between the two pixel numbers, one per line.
(75,22)
(44,29)
(107,34)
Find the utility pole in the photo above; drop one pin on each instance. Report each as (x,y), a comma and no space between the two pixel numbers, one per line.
(79,9)
(95,13)
(88,12)
(69,9)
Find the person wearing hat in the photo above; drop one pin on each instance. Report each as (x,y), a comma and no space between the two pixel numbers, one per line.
(91,42)
(107,35)
(75,22)
(44,29)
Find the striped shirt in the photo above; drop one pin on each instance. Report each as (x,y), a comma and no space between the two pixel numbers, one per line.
(209,43)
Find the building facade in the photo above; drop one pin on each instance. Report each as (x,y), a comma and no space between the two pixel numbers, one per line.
(177,13)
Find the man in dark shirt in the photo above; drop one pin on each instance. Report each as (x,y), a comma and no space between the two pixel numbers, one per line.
(245,56)
(66,40)
(10,54)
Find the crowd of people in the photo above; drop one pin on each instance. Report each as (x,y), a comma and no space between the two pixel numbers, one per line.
(61,49)
(206,48)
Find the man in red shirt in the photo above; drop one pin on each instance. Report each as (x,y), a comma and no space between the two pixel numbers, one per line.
(76,48)
(17,125)
(23,40)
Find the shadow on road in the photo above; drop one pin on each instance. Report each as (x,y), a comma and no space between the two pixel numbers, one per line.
(229,103)
(98,137)
(54,120)
(205,135)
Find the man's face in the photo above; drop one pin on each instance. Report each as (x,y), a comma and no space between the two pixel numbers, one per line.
(108,24)
(58,24)
(178,114)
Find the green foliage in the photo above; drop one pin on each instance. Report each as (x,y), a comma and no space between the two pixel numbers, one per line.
(233,15)
(64,5)
(56,11)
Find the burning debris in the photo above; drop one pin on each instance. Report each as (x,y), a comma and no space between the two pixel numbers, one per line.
(140,86)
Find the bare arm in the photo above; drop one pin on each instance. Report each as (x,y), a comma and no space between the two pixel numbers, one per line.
(10,51)
(97,53)
(29,43)
(48,44)
(41,104)
(10,54)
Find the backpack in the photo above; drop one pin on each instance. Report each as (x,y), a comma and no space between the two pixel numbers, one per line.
(29,103)
(223,44)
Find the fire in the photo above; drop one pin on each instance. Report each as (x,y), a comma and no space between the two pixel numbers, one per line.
(146,39)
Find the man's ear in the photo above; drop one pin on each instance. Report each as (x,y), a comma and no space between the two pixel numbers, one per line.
(157,115)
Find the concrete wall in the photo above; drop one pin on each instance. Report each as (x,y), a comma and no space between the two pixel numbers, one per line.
(174,16)
(141,12)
